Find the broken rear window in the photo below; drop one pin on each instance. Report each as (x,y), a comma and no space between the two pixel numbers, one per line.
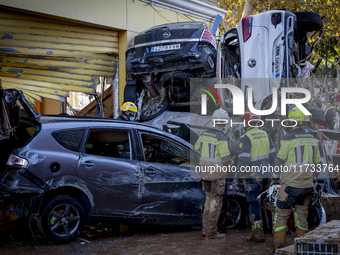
(69,139)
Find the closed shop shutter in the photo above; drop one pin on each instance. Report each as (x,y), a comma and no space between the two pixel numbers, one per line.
(46,57)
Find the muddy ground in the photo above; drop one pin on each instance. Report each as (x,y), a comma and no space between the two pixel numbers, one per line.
(137,239)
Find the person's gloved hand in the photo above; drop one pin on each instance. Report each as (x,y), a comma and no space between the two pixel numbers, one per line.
(235,182)
(227,160)
(275,182)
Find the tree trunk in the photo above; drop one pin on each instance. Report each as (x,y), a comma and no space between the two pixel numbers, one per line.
(248,9)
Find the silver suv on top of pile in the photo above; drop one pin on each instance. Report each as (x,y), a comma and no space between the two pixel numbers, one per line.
(265,51)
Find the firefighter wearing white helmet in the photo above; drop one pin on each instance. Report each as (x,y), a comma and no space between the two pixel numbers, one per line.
(220,117)
(214,151)
(129,111)
(299,150)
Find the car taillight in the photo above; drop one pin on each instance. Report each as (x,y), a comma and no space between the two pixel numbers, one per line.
(276,19)
(273,20)
(247,24)
(16,161)
(131,44)
(208,36)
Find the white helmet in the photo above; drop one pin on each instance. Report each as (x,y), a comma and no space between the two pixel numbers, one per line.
(222,115)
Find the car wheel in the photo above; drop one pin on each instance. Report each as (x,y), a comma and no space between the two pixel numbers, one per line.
(230,214)
(308,21)
(154,108)
(318,115)
(333,119)
(62,219)
(131,93)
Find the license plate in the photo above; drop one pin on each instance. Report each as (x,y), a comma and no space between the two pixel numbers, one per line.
(166,47)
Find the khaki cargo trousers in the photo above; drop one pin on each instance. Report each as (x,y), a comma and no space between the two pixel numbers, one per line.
(214,191)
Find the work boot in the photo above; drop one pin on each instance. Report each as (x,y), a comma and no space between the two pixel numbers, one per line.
(217,236)
(257,235)
(279,239)
(300,232)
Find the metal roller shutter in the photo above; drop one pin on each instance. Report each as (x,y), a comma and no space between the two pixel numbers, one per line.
(46,57)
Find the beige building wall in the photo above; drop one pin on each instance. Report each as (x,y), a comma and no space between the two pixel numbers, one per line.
(129,17)
(104,13)
(50,106)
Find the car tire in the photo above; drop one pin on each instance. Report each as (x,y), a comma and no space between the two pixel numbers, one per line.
(308,21)
(318,115)
(333,119)
(130,93)
(231,214)
(62,219)
(150,112)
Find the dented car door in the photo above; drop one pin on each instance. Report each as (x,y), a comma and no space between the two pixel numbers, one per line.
(109,169)
(170,191)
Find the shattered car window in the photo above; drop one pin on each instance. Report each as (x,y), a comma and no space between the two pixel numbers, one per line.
(69,139)
(162,151)
(109,143)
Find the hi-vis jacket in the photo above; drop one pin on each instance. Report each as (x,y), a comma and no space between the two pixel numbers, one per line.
(214,149)
(300,157)
(256,153)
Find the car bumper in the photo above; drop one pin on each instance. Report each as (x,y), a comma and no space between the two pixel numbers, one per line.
(204,59)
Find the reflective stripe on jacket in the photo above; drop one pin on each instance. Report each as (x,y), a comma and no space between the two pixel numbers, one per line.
(213,145)
(299,150)
(255,149)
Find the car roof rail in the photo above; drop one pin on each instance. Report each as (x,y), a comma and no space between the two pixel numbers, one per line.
(73,118)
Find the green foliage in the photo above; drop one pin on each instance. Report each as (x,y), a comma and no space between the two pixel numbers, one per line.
(328,9)
(234,10)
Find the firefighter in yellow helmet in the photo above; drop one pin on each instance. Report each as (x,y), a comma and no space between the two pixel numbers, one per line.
(298,157)
(129,111)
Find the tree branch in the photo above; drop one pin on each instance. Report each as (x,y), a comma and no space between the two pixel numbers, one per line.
(316,66)
(322,58)
(332,49)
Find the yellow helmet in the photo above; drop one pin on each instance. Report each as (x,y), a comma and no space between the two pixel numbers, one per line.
(296,114)
(129,106)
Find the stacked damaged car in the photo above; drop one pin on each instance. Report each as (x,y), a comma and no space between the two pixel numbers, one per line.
(160,62)
(269,51)
(265,51)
